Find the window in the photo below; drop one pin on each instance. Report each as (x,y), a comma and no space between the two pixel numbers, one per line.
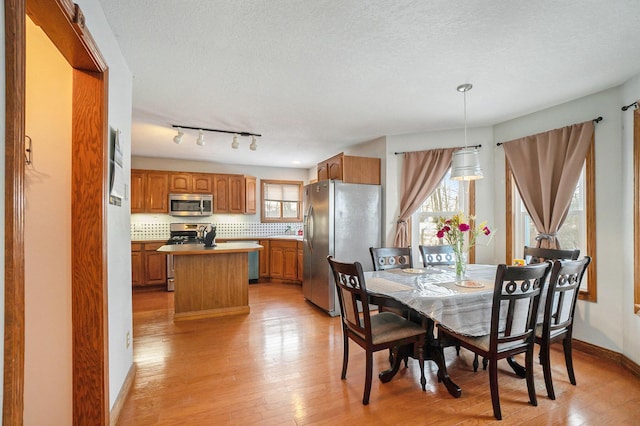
(281,201)
(578,230)
(449,198)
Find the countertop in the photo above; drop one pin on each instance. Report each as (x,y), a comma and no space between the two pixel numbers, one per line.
(270,237)
(183,249)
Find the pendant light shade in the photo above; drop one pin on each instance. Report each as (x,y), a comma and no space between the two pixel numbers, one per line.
(465,164)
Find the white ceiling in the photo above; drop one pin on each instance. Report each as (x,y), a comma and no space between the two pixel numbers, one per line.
(315,76)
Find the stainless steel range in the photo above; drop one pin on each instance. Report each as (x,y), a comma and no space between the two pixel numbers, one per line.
(182,233)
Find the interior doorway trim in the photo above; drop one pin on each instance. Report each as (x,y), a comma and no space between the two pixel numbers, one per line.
(64,24)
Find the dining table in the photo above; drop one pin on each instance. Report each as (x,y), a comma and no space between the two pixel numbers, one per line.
(434,295)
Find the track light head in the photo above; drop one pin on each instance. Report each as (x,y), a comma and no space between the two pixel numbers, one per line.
(253,145)
(178,138)
(235,144)
(200,140)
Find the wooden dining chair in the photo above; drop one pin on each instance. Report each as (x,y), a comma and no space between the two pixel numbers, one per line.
(557,324)
(373,333)
(516,296)
(539,255)
(441,255)
(391,257)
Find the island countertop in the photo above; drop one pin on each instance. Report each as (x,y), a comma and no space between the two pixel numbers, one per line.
(220,248)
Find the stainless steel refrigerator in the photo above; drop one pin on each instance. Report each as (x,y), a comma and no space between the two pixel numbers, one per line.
(342,220)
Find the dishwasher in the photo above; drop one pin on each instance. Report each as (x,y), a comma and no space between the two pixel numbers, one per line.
(254,262)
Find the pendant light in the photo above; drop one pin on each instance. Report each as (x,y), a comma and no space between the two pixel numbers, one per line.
(465,164)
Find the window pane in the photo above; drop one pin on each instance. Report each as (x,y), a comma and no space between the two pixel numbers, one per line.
(272,209)
(290,193)
(289,209)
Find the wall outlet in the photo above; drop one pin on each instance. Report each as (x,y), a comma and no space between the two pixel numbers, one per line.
(128,339)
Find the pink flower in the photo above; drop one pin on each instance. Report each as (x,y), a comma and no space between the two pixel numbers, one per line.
(448,221)
(486,230)
(446,229)
(440,234)
(463,227)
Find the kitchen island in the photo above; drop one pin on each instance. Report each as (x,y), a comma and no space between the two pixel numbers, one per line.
(210,281)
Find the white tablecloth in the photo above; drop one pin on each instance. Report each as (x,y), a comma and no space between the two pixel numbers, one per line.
(466,310)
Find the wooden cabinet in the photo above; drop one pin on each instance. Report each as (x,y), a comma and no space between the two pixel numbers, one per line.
(264,259)
(283,260)
(350,169)
(234,194)
(148,267)
(149,192)
(300,260)
(190,183)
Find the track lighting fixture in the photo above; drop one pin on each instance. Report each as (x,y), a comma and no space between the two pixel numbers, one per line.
(178,138)
(200,140)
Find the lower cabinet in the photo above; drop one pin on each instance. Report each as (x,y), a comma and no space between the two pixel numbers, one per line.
(283,260)
(264,259)
(148,267)
(300,261)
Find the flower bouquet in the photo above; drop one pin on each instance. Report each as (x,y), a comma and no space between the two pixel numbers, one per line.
(457,232)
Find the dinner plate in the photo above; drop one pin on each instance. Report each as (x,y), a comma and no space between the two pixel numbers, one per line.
(469,284)
(413,271)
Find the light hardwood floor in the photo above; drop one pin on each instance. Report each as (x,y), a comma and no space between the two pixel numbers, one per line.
(280,365)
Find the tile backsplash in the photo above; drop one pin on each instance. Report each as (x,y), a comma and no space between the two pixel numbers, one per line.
(154,229)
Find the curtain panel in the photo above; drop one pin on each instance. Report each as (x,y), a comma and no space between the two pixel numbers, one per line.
(422,171)
(546,168)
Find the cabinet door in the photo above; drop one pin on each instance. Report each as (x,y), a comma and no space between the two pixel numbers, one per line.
(264,258)
(290,269)
(300,261)
(180,183)
(220,193)
(276,261)
(137,266)
(157,196)
(236,194)
(155,267)
(323,171)
(250,195)
(201,183)
(335,167)
(138,181)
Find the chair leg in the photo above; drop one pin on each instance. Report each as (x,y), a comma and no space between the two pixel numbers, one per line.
(367,380)
(423,380)
(531,386)
(485,362)
(457,350)
(475,363)
(568,359)
(493,383)
(546,369)
(345,356)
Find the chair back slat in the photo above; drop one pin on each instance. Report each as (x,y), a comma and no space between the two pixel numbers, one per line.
(352,295)
(562,295)
(539,255)
(516,297)
(437,255)
(391,257)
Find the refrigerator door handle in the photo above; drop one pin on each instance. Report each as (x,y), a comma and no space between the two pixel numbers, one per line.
(308,227)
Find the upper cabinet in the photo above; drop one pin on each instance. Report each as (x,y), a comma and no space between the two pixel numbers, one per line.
(234,194)
(350,169)
(198,183)
(149,191)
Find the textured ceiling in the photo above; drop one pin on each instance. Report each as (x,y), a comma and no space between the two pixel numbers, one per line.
(316,76)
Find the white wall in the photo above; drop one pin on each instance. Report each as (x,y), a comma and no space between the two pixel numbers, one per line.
(597,323)
(118,218)
(630,321)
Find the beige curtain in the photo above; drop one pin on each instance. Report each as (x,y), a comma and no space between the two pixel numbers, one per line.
(546,169)
(421,173)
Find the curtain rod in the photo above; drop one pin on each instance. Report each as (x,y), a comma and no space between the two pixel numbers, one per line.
(634,105)
(595,121)
(461,147)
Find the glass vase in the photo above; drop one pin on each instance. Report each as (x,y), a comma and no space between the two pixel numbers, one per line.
(461,263)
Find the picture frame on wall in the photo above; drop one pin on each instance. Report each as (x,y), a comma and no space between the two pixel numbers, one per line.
(116,173)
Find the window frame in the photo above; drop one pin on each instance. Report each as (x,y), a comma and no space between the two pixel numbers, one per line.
(281,219)
(590,293)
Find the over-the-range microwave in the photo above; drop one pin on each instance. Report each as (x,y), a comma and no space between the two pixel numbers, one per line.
(190,204)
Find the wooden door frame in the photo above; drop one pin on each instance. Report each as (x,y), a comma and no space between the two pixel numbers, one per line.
(64,24)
